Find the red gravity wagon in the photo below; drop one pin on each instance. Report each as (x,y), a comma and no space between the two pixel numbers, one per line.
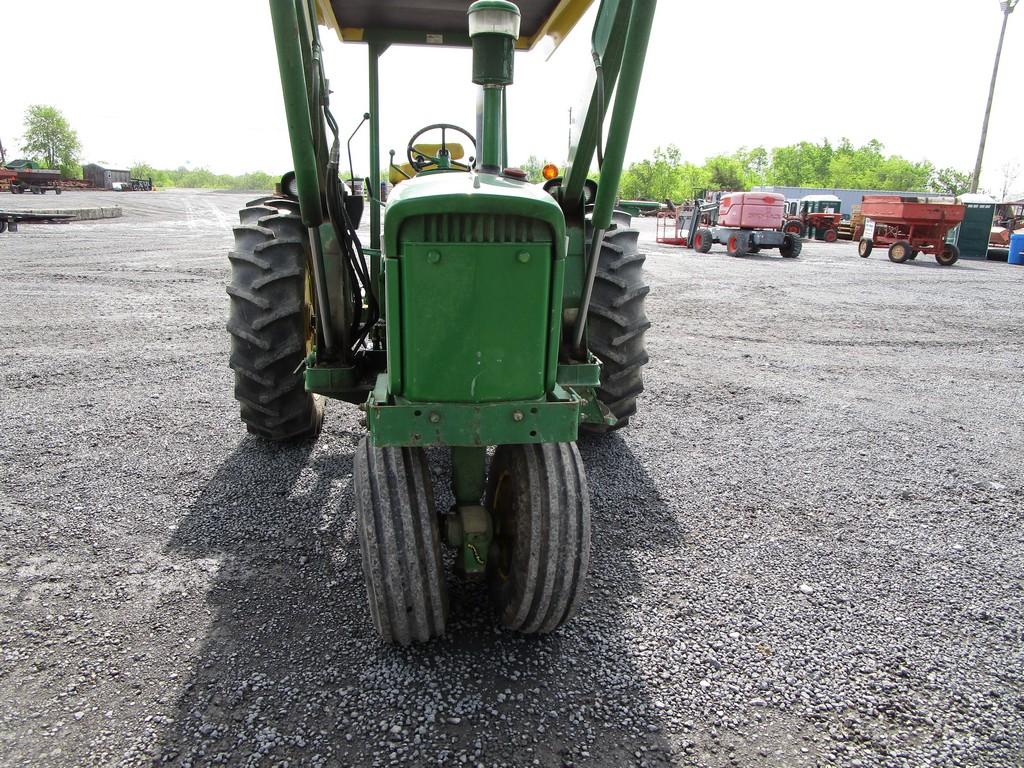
(909,226)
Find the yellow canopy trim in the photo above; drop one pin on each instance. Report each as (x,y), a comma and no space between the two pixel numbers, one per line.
(557,26)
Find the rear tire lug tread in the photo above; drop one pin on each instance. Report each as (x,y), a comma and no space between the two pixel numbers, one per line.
(267,323)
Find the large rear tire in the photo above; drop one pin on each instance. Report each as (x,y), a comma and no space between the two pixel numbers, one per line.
(616,323)
(538,561)
(794,227)
(400,543)
(271,325)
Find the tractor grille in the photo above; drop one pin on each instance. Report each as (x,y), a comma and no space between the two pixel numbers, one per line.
(474,306)
(482,228)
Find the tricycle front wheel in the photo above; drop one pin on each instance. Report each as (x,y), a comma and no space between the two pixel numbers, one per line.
(538,562)
(400,543)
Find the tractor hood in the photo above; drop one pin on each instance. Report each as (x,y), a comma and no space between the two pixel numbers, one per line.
(455,192)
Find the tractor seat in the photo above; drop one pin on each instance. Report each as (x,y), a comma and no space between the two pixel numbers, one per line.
(399,173)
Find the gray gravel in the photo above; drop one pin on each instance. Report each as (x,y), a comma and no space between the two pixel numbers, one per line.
(808,546)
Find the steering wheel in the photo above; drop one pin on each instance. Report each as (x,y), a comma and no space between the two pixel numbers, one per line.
(420,161)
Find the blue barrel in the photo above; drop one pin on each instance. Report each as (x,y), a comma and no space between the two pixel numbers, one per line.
(1016,249)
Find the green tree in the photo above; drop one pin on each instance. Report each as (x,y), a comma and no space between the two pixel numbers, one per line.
(898,173)
(50,140)
(846,167)
(692,178)
(726,173)
(654,179)
(801,165)
(950,181)
(755,163)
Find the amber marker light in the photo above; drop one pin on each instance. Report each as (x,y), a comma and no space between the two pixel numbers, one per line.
(550,171)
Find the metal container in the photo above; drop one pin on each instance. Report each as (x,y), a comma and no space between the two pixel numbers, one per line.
(973,233)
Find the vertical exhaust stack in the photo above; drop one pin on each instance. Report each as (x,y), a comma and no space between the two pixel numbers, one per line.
(494,29)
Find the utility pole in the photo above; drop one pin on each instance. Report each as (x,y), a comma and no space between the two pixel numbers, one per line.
(1007,7)
(3,155)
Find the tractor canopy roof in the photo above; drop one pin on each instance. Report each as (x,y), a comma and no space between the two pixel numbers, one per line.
(820,199)
(442,22)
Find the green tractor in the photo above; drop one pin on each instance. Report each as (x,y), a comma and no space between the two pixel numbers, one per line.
(484,311)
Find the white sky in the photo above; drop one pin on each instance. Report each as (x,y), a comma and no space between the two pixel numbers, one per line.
(195,81)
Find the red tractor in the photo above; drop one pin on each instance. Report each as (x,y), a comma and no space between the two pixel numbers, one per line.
(815,216)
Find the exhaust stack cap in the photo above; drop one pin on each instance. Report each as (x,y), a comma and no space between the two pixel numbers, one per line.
(495,17)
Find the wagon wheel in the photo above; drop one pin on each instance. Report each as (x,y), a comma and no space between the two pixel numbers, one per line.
(948,257)
(864,247)
(900,251)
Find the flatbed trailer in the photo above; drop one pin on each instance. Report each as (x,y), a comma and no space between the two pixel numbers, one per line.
(9,220)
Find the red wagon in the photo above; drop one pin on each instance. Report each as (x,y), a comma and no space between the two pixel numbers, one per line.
(909,226)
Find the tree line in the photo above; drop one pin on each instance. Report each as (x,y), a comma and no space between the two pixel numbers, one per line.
(805,164)
(50,140)
(203,178)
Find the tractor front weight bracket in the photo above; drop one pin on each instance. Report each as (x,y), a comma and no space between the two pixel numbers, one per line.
(469,529)
(396,421)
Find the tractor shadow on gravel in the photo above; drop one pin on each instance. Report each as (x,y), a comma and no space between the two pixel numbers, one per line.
(291,668)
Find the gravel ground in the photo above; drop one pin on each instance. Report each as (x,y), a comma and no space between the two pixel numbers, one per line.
(807,547)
